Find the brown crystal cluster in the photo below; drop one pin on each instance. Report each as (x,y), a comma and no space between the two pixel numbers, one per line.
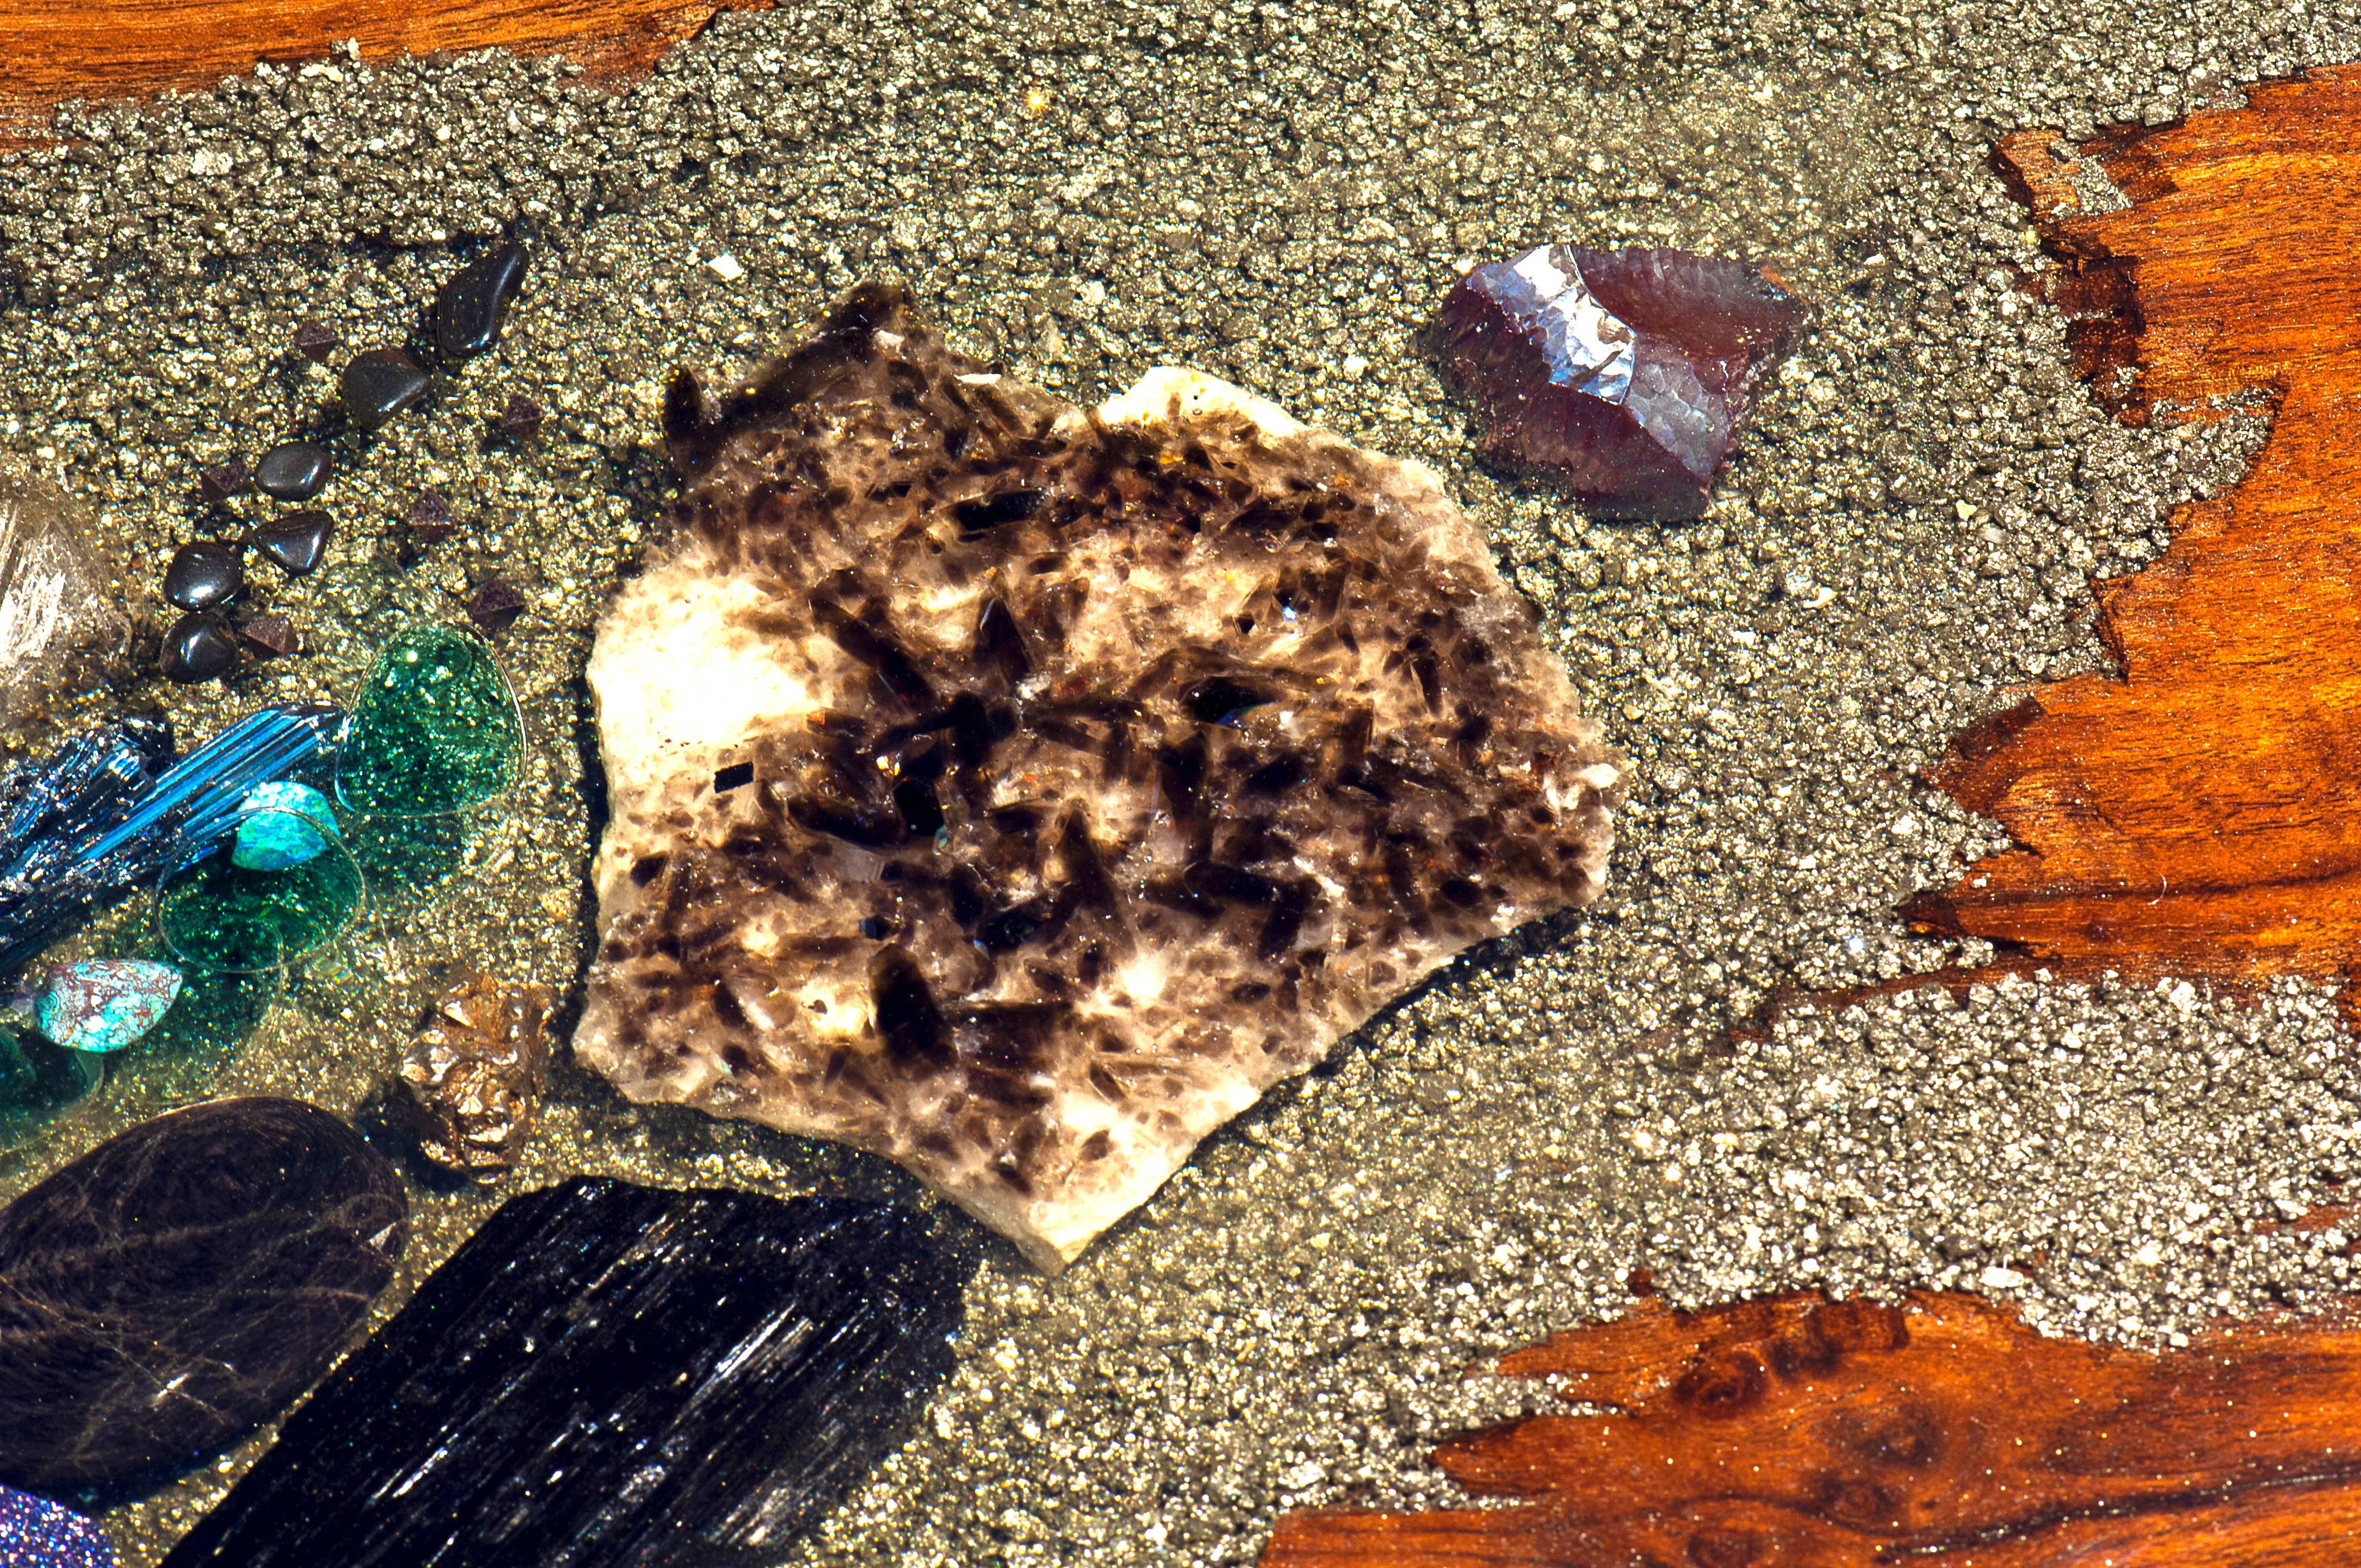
(473,1076)
(1018,791)
(1622,375)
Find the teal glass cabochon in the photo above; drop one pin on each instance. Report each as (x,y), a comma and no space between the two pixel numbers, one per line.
(434,730)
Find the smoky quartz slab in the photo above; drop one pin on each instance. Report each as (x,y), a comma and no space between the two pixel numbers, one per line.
(1621,375)
(181,1284)
(609,1375)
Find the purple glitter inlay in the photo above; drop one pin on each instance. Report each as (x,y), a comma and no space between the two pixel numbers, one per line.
(38,1533)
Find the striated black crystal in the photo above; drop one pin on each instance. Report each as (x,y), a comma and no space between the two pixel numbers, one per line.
(181,1283)
(470,307)
(608,1374)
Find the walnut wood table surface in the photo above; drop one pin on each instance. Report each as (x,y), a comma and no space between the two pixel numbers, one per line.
(60,49)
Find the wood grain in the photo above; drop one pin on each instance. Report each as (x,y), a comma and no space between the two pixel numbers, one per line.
(1802,1433)
(2200,814)
(58,49)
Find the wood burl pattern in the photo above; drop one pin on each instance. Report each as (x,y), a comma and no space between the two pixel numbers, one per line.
(133,48)
(2199,812)
(1803,1433)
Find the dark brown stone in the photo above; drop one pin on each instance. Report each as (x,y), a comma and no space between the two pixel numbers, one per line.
(205,574)
(297,543)
(430,517)
(197,648)
(495,605)
(380,384)
(292,471)
(272,636)
(471,307)
(181,1283)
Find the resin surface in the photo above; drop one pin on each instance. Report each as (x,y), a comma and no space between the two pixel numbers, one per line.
(1019,791)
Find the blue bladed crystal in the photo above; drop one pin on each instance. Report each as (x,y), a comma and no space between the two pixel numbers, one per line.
(96,817)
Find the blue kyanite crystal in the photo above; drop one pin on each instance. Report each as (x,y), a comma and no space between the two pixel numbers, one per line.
(100,815)
(38,1533)
(104,1005)
(281,825)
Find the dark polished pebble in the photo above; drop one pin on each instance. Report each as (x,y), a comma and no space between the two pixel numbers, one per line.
(292,471)
(430,517)
(224,480)
(474,301)
(379,384)
(197,649)
(521,420)
(495,605)
(181,1283)
(296,542)
(317,341)
(272,636)
(205,574)
(610,1377)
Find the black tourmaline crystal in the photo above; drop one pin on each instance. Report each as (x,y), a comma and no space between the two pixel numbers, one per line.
(607,1376)
(182,1282)
(1622,374)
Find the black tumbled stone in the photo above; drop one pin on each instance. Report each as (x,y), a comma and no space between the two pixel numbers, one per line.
(292,471)
(379,384)
(296,542)
(608,1374)
(471,305)
(197,648)
(181,1283)
(205,574)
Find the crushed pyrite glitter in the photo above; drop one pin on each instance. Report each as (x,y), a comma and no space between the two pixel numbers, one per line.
(1909,527)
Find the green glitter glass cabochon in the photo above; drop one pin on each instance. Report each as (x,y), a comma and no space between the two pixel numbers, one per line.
(214,915)
(435,728)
